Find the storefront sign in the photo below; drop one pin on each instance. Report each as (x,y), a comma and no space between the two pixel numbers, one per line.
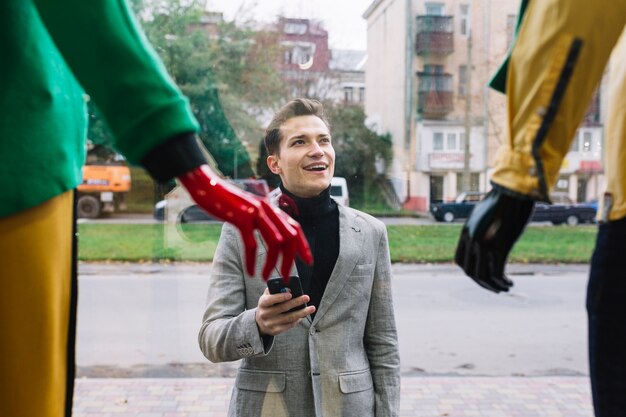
(590,166)
(446,160)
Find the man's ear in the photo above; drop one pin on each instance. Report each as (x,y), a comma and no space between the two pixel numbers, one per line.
(272,164)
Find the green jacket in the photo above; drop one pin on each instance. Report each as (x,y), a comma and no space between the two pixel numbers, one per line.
(53,51)
(498,81)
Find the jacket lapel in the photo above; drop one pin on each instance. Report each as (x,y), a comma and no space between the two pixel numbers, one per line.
(350,246)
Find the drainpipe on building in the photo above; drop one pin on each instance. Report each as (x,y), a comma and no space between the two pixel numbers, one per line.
(408,93)
(468,115)
(487,47)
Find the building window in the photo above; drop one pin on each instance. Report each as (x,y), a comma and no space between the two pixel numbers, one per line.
(473,185)
(361,94)
(438,141)
(434,9)
(295,28)
(452,142)
(511,21)
(587,143)
(461,141)
(562,184)
(348,94)
(302,53)
(433,69)
(464,20)
(462,80)
(440,82)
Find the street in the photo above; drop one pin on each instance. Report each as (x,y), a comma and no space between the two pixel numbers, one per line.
(142,320)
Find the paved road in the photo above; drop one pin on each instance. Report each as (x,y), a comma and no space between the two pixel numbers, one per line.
(142,320)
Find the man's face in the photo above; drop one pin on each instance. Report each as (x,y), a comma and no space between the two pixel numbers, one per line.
(306,158)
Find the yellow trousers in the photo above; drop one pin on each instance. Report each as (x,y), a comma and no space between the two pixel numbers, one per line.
(37,310)
(558,60)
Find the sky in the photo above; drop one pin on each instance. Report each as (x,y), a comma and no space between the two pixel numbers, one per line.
(342,18)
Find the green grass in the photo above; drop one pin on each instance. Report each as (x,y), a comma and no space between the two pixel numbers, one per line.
(420,244)
(424,244)
(556,244)
(146,242)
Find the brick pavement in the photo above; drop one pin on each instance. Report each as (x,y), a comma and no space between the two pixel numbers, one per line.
(421,397)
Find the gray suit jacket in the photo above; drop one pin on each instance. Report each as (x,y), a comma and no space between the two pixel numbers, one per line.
(343,363)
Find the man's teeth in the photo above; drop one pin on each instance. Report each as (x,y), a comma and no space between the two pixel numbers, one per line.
(316,168)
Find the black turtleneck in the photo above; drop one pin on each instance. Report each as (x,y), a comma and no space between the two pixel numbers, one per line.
(319,218)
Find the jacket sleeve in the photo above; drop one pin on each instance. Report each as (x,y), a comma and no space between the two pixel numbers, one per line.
(554,68)
(111,58)
(229,332)
(381,339)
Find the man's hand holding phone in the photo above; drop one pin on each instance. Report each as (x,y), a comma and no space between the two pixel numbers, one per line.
(282,306)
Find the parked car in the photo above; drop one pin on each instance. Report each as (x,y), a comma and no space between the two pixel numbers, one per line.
(460,208)
(571,214)
(192,213)
(339,191)
(592,203)
(564,212)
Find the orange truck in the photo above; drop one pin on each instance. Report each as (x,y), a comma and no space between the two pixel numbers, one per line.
(103,190)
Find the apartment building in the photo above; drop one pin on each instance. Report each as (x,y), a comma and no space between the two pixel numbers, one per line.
(347,70)
(311,69)
(427,71)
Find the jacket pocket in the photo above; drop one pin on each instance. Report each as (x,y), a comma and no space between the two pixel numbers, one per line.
(355,381)
(263,381)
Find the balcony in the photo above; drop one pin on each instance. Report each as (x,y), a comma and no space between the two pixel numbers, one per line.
(434,96)
(434,35)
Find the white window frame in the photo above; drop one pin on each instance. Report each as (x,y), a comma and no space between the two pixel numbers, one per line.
(587,139)
(434,9)
(451,141)
(464,19)
(438,137)
(348,94)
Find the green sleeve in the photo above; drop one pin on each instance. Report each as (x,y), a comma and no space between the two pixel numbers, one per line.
(498,81)
(111,58)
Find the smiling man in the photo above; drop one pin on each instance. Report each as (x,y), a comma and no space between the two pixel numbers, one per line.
(338,356)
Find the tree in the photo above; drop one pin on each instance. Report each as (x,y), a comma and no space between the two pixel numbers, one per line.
(185,48)
(362,155)
(228,74)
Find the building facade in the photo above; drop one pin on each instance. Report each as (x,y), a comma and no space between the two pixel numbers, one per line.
(427,71)
(347,74)
(311,69)
(305,55)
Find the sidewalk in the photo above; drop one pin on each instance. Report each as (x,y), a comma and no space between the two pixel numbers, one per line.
(421,397)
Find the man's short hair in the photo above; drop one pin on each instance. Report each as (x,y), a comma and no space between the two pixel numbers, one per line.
(295,108)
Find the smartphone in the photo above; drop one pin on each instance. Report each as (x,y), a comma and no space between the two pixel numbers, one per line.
(278,285)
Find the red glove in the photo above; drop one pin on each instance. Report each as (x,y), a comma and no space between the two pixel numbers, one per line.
(247,212)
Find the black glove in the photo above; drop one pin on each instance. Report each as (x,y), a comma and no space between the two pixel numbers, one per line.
(489,235)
